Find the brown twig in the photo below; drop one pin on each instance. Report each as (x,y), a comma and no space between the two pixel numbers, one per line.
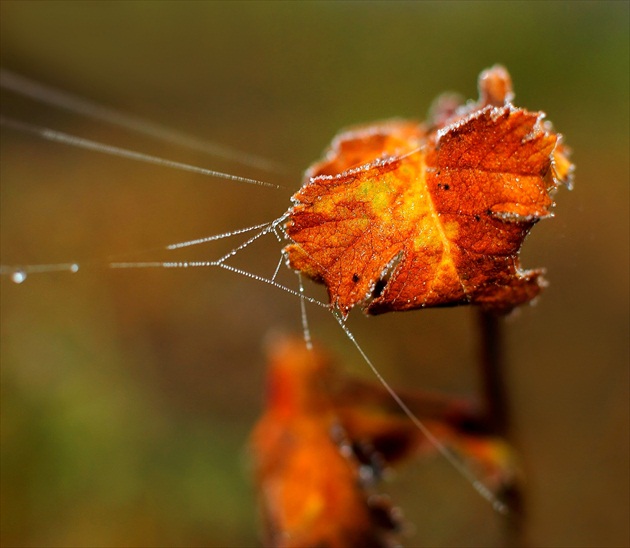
(499,417)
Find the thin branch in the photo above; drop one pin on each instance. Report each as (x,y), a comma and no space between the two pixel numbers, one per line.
(498,415)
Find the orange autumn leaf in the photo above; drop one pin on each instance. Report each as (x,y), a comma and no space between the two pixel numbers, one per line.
(371,418)
(312,488)
(401,215)
(324,440)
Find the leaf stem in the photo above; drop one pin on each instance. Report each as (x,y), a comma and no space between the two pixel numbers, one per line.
(498,416)
(494,391)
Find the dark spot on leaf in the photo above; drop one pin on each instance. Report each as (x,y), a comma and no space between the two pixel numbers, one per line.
(379,287)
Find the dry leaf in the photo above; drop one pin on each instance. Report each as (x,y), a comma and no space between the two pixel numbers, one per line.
(402,216)
(324,441)
(313,488)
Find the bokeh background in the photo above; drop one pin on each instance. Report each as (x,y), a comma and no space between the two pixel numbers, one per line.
(127,396)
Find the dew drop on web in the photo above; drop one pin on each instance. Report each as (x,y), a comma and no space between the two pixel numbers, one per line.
(18,276)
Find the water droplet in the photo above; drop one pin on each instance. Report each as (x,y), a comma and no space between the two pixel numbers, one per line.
(18,276)
(74,267)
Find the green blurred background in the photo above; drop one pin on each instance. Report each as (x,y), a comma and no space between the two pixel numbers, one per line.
(127,396)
